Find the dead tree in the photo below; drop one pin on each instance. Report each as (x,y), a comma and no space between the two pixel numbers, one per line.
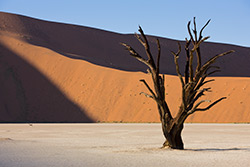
(192,83)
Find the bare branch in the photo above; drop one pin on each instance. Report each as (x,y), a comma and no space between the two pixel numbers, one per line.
(204,109)
(200,94)
(136,55)
(191,71)
(149,71)
(195,31)
(203,77)
(196,46)
(163,79)
(176,56)
(186,74)
(213,72)
(205,74)
(202,83)
(162,87)
(198,54)
(147,48)
(212,60)
(179,50)
(209,62)
(211,105)
(203,39)
(132,51)
(211,80)
(190,34)
(150,90)
(200,37)
(139,39)
(147,95)
(194,109)
(158,56)
(210,67)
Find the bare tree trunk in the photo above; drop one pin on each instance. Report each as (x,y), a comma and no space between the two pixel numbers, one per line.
(191,84)
(172,133)
(172,130)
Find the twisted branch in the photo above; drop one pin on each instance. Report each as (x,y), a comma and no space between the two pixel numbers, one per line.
(150,90)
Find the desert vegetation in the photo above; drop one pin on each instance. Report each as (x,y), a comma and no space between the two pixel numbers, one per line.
(193,82)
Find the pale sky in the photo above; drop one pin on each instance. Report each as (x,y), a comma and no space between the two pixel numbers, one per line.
(167,18)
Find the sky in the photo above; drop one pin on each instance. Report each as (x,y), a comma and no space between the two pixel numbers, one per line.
(230,19)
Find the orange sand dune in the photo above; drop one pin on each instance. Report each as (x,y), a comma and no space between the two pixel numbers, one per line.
(47,78)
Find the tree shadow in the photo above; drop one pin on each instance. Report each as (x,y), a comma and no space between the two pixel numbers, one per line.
(26,95)
(220,149)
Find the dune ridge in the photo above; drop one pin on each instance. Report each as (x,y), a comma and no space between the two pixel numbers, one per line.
(95,76)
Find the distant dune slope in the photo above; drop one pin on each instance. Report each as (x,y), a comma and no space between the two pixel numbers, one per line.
(53,72)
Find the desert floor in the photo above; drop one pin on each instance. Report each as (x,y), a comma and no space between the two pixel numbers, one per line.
(111,145)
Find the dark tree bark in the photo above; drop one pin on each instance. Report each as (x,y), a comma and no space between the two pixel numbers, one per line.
(191,83)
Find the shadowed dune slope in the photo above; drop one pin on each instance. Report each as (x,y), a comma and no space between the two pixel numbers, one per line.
(54,72)
(28,96)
